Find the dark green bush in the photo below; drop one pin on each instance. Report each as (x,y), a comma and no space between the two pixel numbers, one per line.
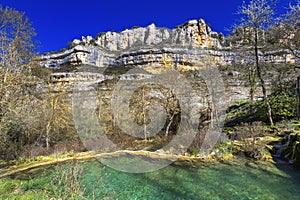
(284,107)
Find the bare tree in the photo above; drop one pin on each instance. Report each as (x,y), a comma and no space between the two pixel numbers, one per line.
(171,105)
(16,81)
(287,31)
(16,49)
(257,16)
(57,115)
(140,108)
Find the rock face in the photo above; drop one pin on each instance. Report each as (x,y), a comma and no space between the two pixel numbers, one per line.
(136,45)
(184,46)
(194,33)
(189,46)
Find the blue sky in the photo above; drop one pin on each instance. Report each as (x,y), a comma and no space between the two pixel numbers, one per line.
(60,21)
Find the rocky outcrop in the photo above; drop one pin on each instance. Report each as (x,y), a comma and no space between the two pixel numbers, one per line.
(184,46)
(137,45)
(195,33)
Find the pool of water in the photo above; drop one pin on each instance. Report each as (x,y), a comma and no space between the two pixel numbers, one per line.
(236,179)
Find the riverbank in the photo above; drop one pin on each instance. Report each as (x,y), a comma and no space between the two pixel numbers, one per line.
(42,161)
(225,151)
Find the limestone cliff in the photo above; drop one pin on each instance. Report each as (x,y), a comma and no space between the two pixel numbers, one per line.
(195,33)
(184,46)
(137,45)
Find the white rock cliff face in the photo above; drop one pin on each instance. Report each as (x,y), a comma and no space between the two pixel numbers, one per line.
(188,43)
(193,33)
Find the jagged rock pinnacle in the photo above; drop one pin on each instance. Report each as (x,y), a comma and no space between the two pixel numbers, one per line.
(195,33)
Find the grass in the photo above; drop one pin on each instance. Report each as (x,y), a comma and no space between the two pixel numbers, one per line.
(23,189)
(26,164)
(60,182)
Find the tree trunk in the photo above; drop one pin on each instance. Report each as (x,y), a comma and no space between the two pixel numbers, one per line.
(263,86)
(145,131)
(169,125)
(298,95)
(48,127)
(252,82)
(144,115)
(53,101)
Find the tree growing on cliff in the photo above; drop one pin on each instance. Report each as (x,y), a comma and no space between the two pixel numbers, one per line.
(257,16)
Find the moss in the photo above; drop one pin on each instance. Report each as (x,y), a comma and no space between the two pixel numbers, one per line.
(67,155)
(292,151)
(267,155)
(228,156)
(283,107)
(26,164)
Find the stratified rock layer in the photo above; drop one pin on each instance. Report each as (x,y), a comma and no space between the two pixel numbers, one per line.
(187,44)
(190,46)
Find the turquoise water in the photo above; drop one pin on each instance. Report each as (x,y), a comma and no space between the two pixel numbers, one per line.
(242,179)
(237,179)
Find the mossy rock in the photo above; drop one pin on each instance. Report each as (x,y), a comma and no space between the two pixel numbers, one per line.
(292,151)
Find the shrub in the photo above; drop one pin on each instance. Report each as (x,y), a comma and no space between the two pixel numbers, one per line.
(100,35)
(248,133)
(93,42)
(284,107)
(135,27)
